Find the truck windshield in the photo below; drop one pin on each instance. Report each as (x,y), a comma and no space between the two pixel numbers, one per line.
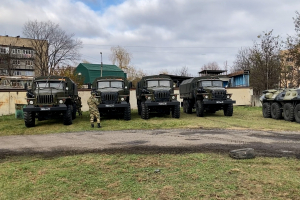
(110,84)
(210,83)
(45,84)
(158,83)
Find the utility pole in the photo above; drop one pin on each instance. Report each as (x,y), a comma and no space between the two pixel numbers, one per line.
(101,63)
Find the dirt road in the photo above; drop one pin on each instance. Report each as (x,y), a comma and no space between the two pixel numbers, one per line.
(265,143)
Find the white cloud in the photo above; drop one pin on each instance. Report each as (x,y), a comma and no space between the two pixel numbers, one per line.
(165,34)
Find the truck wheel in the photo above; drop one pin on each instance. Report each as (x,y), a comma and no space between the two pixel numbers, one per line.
(297,113)
(74,112)
(266,109)
(228,110)
(184,106)
(145,111)
(29,118)
(188,107)
(199,108)
(176,112)
(288,112)
(139,107)
(276,113)
(68,116)
(127,113)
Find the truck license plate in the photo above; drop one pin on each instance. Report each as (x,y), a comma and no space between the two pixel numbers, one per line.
(163,103)
(45,109)
(110,105)
(219,102)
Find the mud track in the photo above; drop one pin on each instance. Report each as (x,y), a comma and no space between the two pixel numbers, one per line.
(173,141)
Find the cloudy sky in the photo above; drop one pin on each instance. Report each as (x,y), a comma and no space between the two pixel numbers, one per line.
(160,34)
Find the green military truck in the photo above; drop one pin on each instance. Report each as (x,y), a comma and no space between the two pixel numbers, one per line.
(278,103)
(205,94)
(113,94)
(156,94)
(51,97)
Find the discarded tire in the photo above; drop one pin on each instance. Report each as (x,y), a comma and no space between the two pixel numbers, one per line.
(246,153)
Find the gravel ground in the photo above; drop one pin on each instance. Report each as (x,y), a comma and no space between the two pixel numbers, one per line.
(265,143)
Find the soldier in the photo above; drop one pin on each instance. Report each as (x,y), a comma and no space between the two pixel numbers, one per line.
(94,112)
(78,106)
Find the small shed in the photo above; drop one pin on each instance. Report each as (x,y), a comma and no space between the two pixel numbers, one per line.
(240,78)
(91,71)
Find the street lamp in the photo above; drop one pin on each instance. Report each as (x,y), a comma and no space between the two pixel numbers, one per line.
(101,63)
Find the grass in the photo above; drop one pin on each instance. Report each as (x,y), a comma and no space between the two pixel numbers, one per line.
(160,176)
(243,118)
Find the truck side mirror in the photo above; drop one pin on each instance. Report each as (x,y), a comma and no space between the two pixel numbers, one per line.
(89,85)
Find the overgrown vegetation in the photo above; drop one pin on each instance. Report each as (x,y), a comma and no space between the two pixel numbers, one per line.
(243,118)
(159,176)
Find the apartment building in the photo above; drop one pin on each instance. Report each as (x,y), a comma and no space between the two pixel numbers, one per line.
(17,61)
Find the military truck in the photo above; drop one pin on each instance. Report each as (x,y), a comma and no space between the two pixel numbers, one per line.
(113,95)
(278,103)
(205,94)
(51,97)
(156,94)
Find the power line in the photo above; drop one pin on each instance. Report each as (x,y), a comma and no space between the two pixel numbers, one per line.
(170,47)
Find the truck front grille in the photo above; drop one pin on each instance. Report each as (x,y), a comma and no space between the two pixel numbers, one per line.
(109,97)
(45,99)
(162,95)
(219,94)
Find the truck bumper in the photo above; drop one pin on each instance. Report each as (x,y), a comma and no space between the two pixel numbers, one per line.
(220,102)
(31,108)
(172,103)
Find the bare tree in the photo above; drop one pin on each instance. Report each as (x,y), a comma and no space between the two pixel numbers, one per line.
(210,66)
(243,60)
(120,56)
(53,45)
(182,71)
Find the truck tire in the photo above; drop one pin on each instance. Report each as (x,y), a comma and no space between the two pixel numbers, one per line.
(29,118)
(145,111)
(68,116)
(199,108)
(139,107)
(74,111)
(288,112)
(266,110)
(276,113)
(228,110)
(297,113)
(189,107)
(127,113)
(176,112)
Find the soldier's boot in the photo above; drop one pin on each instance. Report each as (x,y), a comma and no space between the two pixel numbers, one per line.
(92,125)
(99,125)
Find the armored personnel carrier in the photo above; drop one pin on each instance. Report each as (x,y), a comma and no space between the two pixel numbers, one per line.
(113,94)
(156,94)
(51,97)
(278,103)
(205,94)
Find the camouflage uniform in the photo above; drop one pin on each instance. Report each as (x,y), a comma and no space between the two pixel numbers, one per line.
(94,112)
(78,106)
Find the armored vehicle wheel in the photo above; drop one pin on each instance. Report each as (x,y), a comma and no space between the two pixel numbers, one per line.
(276,113)
(127,113)
(29,118)
(176,111)
(68,116)
(297,113)
(199,108)
(288,112)
(145,111)
(74,112)
(228,110)
(266,109)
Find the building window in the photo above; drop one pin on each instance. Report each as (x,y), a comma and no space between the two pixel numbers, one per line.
(3,50)
(13,51)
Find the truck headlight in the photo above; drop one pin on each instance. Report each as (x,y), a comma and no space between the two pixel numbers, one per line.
(206,96)
(149,98)
(61,101)
(31,102)
(173,97)
(122,99)
(228,96)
